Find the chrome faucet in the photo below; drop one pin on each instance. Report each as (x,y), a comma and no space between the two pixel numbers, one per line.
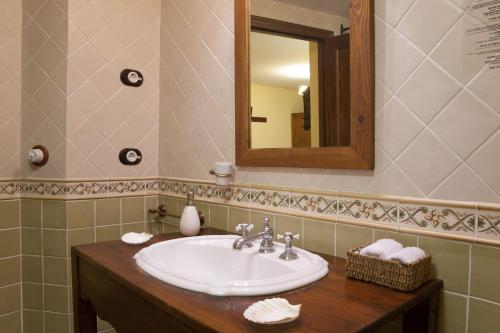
(267,234)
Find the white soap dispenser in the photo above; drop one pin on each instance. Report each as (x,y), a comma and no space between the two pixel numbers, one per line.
(190,220)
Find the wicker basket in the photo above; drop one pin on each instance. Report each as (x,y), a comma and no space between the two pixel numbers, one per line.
(388,273)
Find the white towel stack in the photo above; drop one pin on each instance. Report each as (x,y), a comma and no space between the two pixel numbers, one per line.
(382,248)
(389,249)
(408,255)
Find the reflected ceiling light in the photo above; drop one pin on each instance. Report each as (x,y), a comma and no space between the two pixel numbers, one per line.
(297,71)
(302,90)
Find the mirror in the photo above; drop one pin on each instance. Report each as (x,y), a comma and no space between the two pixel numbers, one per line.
(305,83)
(299,75)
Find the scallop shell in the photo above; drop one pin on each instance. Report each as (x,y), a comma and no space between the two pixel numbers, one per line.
(272,311)
(136,238)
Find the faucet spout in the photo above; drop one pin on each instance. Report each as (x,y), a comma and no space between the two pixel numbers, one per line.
(242,241)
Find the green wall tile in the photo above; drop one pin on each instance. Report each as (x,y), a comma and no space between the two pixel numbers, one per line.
(10,214)
(406,240)
(108,233)
(319,236)
(56,322)
(32,321)
(452,313)
(171,204)
(56,270)
(10,271)
(237,216)
(133,210)
(257,219)
(9,243)
(10,299)
(450,262)
(80,237)
(54,243)
(56,298)
(348,237)
(80,214)
(483,317)
(11,323)
(133,227)
(32,269)
(485,272)
(31,241)
(219,217)
(54,214)
(33,296)
(31,213)
(284,223)
(107,211)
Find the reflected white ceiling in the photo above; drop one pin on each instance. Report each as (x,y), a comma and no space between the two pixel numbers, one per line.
(270,54)
(335,7)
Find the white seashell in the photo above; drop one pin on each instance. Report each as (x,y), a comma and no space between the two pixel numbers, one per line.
(272,311)
(135,238)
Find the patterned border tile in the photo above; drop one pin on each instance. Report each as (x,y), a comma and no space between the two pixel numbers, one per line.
(422,215)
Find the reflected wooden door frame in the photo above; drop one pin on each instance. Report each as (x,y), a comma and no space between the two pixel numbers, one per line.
(360,154)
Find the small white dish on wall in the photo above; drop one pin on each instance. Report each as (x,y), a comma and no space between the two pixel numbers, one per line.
(272,311)
(135,238)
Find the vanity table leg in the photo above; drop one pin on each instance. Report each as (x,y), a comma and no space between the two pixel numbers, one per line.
(422,319)
(86,318)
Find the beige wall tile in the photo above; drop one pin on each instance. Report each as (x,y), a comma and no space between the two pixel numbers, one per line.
(31,213)
(10,271)
(9,243)
(31,241)
(133,210)
(485,272)
(406,240)
(319,236)
(80,214)
(10,214)
(10,299)
(32,269)
(56,270)
(54,243)
(452,313)
(348,237)
(55,298)
(32,321)
(107,211)
(483,316)
(54,214)
(450,262)
(108,233)
(219,217)
(33,296)
(11,323)
(283,223)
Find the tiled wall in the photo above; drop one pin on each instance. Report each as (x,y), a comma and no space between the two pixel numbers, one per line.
(10,267)
(10,87)
(436,128)
(49,229)
(104,116)
(44,61)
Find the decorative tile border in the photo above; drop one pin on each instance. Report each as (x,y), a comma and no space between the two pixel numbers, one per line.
(467,221)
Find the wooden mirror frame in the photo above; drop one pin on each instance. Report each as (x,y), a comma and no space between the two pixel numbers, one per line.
(361,153)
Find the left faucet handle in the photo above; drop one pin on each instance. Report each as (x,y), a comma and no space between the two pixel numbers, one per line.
(245,227)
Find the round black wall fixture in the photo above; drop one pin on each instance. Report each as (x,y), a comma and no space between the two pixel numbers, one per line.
(130,156)
(132,78)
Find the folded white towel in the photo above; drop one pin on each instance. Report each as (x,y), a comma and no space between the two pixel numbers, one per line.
(408,255)
(382,248)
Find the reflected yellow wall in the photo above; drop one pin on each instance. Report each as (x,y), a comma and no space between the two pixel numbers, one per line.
(277,104)
(314,88)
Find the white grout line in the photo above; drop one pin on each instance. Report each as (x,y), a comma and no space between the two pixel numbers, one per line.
(468,290)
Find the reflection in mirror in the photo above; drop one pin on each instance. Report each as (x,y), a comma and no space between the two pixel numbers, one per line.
(299,63)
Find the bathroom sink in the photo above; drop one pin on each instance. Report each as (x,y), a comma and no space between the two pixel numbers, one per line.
(208,264)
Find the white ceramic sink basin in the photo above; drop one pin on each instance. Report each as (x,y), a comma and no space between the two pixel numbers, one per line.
(208,264)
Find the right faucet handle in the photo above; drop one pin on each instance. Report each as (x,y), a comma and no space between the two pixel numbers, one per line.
(288,254)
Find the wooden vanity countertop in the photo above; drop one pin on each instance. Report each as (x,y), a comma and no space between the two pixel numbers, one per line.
(105,276)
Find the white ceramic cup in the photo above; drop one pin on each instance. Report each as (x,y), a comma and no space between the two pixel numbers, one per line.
(223,168)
